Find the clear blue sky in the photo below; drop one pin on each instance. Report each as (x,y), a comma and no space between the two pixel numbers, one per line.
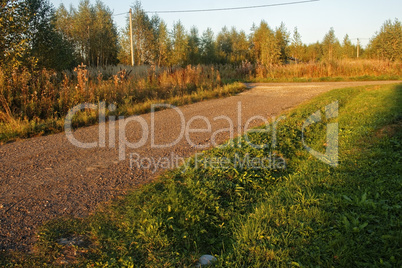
(358,18)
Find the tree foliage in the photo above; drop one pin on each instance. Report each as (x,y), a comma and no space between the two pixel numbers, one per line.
(163,44)
(28,36)
(193,47)
(387,43)
(348,49)
(296,48)
(14,25)
(91,30)
(32,33)
(330,45)
(263,45)
(283,39)
(179,44)
(266,48)
(208,49)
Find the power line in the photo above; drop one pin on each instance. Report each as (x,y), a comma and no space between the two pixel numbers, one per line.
(225,9)
(114,15)
(232,8)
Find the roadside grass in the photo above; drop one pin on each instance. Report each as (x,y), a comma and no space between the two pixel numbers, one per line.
(326,79)
(336,70)
(307,215)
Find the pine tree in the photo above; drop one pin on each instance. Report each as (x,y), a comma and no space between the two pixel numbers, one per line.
(193,47)
(330,45)
(208,48)
(282,37)
(225,45)
(296,46)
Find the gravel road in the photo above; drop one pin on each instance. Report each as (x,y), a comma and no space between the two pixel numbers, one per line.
(47,177)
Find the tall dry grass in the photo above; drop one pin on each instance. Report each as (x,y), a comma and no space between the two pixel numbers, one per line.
(45,94)
(342,69)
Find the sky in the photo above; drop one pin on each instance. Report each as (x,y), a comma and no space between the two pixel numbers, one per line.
(357,18)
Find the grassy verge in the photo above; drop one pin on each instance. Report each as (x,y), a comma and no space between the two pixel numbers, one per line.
(327,79)
(307,215)
(17,129)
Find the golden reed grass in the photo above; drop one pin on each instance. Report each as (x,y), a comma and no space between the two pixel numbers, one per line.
(44,94)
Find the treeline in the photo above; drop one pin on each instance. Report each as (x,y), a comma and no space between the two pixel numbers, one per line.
(32,32)
(156,45)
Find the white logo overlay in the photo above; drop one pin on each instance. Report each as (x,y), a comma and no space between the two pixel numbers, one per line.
(147,131)
(331,154)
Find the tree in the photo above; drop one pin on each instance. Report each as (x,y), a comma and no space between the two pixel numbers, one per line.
(28,36)
(387,43)
(193,46)
(265,46)
(282,37)
(225,45)
(63,24)
(348,49)
(163,44)
(82,30)
(14,38)
(92,32)
(180,44)
(240,46)
(144,36)
(208,47)
(104,43)
(49,47)
(124,51)
(296,46)
(314,52)
(330,45)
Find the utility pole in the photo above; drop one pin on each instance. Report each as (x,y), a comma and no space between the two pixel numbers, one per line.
(358,47)
(131,38)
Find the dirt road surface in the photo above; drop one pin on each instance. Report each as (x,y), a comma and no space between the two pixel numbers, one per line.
(47,177)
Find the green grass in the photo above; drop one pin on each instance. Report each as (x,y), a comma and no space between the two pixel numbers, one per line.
(307,215)
(22,129)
